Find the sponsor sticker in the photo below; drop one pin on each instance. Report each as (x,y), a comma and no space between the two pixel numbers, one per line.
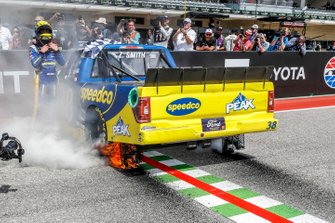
(240,103)
(329,73)
(213,124)
(183,106)
(120,128)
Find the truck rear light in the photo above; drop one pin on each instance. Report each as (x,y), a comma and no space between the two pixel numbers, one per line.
(271,101)
(142,110)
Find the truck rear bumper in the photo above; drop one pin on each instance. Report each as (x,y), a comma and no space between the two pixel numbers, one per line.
(188,133)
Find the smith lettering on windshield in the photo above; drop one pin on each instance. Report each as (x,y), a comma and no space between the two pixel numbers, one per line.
(136,62)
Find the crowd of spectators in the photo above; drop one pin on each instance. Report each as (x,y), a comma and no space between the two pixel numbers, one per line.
(74,35)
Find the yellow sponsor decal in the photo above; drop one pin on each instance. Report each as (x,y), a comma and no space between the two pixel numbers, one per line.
(95,95)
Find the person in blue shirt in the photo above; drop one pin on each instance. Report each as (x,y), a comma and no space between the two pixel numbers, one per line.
(44,56)
(279,40)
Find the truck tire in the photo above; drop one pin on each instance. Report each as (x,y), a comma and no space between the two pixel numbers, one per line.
(95,126)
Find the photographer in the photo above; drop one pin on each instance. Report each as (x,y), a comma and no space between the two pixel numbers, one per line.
(261,44)
(84,33)
(184,37)
(297,44)
(206,43)
(44,55)
(162,32)
(242,42)
(279,41)
(5,38)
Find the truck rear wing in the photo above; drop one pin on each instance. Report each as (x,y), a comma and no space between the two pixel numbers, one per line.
(157,77)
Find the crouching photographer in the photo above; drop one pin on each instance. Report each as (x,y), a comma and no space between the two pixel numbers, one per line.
(12,150)
(162,31)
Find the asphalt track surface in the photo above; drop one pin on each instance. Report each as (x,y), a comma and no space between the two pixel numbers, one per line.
(294,165)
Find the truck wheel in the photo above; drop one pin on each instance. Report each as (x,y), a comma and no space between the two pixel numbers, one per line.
(95,126)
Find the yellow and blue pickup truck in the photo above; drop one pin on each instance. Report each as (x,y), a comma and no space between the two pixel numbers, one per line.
(133,96)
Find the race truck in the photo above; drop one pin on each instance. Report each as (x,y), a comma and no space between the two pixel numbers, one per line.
(132,97)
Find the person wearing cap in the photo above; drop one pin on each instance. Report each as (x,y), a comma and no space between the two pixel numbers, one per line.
(184,37)
(5,38)
(206,43)
(219,38)
(242,42)
(254,29)
(163,33)
(100,31)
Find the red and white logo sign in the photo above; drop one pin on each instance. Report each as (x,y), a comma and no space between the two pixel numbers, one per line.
(329,73)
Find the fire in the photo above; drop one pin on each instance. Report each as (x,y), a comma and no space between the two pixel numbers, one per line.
(120,155)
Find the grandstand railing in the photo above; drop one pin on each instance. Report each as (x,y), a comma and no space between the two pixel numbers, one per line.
(243,7)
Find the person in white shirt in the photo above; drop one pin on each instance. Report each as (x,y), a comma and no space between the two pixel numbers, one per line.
(184,37)
(163,34)
(5,38)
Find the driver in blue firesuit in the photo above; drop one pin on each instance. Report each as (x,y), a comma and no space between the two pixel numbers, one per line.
(44,56)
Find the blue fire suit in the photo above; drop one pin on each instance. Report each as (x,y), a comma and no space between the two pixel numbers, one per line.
(46,80)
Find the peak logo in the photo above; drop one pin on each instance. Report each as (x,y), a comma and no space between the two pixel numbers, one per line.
(183,106)
(239,103)
(120,128)
(329,73)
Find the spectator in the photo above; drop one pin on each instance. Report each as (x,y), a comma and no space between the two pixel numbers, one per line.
(131,36)
(149,40)
(184,37)
(219,38)
(297,44)
(163,34)
(261,44)
(242,42)
(331,47)
(17,38)
(206,43)
(279,41)
(100,31)
(254,29)
(5,38)
(62,35)
(229,40)
(83,32)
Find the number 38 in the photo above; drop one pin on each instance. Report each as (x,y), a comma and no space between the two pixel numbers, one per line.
(272,125)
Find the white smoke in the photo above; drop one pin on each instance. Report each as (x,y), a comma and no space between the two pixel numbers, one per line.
(51,145)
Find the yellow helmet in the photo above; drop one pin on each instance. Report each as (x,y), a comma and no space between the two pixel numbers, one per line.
(43,32)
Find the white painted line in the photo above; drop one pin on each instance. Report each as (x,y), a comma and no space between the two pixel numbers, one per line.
(226,185)
(196,173)
(248,218)
(171,162)
(179,185)
(152,153)
(263,202)
(210,201)
(307,218)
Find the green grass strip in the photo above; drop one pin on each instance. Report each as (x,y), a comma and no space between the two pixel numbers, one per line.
(228,210)
(243,193)
(193,192)
(161,158)
(285,211)
(146,166)
(183,167)
(210,179)
(166,178)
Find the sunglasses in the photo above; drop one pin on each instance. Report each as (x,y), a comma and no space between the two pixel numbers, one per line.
(208,34)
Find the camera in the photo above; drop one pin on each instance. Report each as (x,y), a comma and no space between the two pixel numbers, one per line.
(240,36)
(159,19)
(280,33)
(12,150)
(256,40)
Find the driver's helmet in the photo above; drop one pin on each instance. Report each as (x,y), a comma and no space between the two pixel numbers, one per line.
(43,32)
